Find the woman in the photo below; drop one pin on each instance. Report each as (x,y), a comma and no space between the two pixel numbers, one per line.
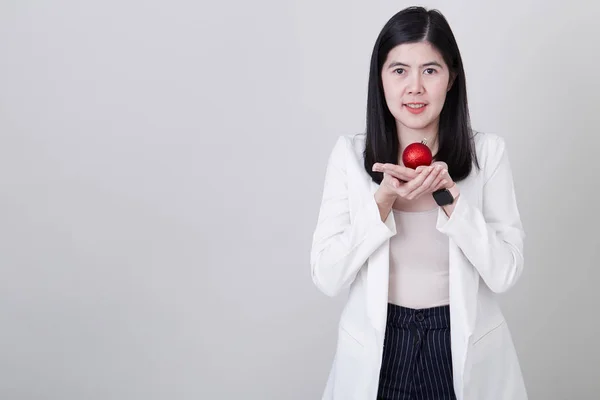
(423,251)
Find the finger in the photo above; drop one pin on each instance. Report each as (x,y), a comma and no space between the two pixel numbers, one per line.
(421,168)
(392,183)
(445,177)
(433,176)
(439,183)
(400,172)
(416,183)
(395,183)
(442,164)
(426,185)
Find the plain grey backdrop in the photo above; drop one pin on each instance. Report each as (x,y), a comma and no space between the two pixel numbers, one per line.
(161,167)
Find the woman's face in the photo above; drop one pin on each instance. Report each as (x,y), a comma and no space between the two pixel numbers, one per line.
(415,81)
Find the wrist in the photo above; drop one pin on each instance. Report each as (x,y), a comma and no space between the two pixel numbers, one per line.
(447,195)
(383,197)
(454,191)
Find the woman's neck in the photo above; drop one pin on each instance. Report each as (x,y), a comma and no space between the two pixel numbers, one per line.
(407,136)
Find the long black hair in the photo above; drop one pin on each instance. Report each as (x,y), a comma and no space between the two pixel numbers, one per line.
(455,137)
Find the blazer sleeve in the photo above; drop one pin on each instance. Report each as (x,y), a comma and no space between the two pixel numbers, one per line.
(490,238)
(342,242)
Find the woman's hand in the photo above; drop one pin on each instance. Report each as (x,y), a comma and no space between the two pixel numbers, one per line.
(411,184)
(394,179)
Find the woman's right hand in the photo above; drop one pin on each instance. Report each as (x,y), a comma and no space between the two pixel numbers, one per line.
(394,186)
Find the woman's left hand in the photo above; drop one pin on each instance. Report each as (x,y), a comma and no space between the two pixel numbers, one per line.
(437,178)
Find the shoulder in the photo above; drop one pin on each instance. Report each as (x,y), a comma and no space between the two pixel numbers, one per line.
(353,140)
(487,138)
(488,142)
(490,149)
(349,145)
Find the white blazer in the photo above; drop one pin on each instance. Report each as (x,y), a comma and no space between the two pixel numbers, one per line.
(350,250)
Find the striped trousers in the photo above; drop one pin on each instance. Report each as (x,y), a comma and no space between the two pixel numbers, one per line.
(417,361)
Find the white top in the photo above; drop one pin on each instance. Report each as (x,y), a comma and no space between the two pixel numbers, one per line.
(418,261)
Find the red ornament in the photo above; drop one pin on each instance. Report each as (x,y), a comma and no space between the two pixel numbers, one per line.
(416,154)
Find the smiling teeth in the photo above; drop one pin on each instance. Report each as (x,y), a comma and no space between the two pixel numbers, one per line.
(415,105)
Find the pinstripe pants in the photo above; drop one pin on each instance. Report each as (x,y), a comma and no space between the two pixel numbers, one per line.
(417,362)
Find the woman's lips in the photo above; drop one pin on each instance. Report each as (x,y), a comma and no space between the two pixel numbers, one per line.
(415,108)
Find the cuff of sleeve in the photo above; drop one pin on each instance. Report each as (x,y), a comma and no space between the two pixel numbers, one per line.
(450,224)
(385,228)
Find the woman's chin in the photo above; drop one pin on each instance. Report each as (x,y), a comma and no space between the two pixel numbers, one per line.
(415,125)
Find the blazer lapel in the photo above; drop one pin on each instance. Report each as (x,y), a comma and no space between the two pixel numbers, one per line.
(378,279)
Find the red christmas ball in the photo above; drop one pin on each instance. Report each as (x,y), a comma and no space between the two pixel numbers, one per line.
(416,154)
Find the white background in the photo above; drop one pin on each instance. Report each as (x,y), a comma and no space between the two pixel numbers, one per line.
(161,167)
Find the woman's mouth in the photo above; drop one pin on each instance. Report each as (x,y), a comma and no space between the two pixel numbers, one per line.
(415,108)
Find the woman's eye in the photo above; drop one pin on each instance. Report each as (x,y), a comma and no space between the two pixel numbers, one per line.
(430,71)
(399,71)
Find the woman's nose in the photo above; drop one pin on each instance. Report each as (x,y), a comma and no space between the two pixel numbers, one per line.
(415,85)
